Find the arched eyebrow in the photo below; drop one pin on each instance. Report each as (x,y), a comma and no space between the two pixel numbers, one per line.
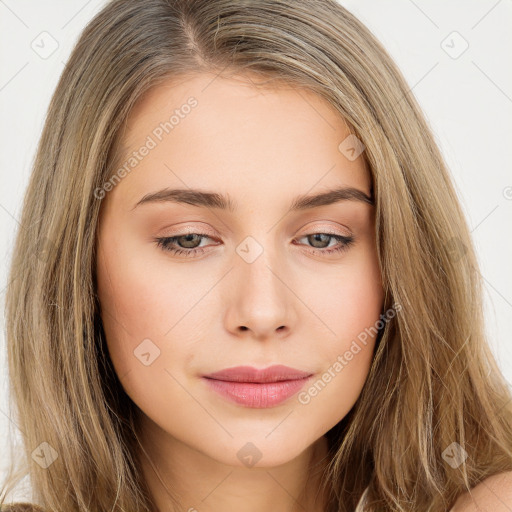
(205,199)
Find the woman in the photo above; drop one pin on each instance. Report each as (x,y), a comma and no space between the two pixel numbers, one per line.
(244,278)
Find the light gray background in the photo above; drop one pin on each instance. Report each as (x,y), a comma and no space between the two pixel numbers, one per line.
(466,96)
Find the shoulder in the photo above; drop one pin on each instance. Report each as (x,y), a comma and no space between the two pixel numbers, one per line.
(494,493)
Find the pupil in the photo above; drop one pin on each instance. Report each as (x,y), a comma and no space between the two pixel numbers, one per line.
(316,238)
(189,239)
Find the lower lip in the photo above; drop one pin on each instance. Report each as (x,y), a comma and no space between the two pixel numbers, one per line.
(257,395)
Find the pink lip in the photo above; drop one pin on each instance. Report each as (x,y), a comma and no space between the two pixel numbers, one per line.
(255,388)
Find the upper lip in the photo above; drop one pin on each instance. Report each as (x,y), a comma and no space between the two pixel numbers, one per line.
(273,373)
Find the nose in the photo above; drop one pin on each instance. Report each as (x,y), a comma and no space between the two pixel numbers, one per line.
(261,303)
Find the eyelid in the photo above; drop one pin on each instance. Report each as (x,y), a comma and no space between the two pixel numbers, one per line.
(200,228)
(188,229)
(328,230)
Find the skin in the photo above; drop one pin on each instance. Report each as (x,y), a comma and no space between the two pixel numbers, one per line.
(494,494)
(215,310)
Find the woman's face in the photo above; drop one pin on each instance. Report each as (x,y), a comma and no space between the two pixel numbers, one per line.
(259,277)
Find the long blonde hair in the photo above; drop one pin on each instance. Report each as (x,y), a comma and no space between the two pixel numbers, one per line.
(433,381)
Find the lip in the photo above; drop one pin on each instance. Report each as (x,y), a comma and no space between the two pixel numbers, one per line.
(248,386)
(274,373)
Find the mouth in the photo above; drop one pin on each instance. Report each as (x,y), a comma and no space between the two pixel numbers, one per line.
(255,388)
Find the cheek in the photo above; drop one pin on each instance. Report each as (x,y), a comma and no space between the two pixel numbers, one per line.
(347,362)
(149,325)
(360,302)
(132,306)
(351,308)
(359,306)
(349,298)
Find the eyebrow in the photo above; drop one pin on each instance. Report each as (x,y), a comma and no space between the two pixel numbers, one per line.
(206,199)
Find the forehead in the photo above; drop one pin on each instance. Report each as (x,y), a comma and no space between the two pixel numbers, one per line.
(214,132)
(229,93)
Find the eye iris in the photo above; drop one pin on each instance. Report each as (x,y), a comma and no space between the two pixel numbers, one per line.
(189,239)
(315,238)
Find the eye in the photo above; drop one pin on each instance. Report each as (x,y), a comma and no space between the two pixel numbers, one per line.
(189,241)
(189,244)
(319,241)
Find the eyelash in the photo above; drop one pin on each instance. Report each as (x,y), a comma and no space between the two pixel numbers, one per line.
(165,244)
